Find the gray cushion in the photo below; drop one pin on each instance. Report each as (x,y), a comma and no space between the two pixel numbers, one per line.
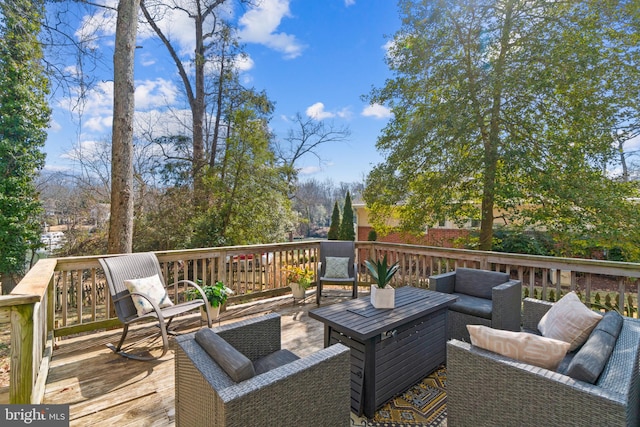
(474,306)
(273,360)
(235,364)
(589,361)
(478,283)
(611,323)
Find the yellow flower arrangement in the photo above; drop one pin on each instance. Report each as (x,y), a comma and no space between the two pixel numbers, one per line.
(300,275)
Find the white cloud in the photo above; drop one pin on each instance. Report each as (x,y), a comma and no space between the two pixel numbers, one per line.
(85,150)
(99,123)
(259,25)
(376,110)
(97,106)
(54,126)
(99,24)
(309,170)
(155,93)
(349,2)
(316,111)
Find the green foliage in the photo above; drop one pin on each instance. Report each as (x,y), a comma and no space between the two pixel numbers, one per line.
(381,272)
(24,116)
(372,236)
(300,275)
(522,242)
(334,227)
(507,108)
(216,294)
(347,231)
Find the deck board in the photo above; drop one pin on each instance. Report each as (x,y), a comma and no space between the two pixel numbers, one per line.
(103,388)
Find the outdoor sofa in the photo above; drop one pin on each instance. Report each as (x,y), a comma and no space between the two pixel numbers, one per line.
(487,389)
(487,298)
(253,382)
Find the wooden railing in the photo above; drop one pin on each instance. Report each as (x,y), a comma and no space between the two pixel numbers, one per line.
(547,278)
(29,310)
(82,300)
(64,296)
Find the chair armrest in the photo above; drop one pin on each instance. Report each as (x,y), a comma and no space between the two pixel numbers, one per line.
(314,391)
(255,337)
(443,282)
(533,311)
(518,391)
(507,306)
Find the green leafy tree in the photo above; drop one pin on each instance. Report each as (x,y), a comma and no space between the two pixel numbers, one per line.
(334,227)
(507,108)
(249,194)
(24,116)
(347,231)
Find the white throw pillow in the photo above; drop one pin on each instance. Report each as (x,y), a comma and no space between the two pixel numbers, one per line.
(569,320)
(153,288)
(529,348)
(336,268)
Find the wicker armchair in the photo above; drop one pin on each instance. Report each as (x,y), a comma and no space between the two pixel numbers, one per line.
(487,389)
(311,391)
(487,298)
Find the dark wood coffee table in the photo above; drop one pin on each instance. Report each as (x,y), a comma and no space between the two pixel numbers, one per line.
(391,349)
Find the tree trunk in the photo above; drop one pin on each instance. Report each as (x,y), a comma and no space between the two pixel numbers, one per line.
(197,112)
(493,141)
(121,220)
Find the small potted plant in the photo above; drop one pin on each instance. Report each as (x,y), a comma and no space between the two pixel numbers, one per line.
(216,294)
(299,279)
(382,294)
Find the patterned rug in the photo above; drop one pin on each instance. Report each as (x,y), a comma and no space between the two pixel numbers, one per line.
(424,404)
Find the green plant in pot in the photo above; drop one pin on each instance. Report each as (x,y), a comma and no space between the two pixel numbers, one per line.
(299,278)
(217,294)
(382,294)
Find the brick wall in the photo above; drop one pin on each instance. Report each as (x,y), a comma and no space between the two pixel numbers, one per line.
(440,237)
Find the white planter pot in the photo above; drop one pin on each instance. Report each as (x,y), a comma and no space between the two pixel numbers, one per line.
(297,290)
(383,298)
(213,311)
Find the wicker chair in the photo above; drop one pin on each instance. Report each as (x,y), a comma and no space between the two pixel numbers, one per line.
(487,298)
(309,391)
(487,389)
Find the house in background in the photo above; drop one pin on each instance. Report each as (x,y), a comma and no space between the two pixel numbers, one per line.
(445,235)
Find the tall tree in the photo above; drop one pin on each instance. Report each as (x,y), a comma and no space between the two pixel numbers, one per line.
(24,116)
(122,197)
(305,139)
(346,226)
(504,107)
(215,49)
(334,227)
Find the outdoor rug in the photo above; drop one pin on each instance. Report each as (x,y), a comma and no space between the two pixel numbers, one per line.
(424,404)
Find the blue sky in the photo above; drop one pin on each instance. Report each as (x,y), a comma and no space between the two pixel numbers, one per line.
(315,57)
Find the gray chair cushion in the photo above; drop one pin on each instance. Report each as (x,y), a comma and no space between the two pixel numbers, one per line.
(589,361)
(474,306)
(273,360)
(478,283)
(235,364)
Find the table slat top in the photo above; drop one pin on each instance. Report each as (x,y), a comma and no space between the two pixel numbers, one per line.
(359,319)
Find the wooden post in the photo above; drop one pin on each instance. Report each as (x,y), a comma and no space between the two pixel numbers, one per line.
(22,357)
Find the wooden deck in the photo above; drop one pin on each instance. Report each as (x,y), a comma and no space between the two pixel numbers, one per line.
(103,388)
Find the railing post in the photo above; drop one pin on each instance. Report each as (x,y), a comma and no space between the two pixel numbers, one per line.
(22,376)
